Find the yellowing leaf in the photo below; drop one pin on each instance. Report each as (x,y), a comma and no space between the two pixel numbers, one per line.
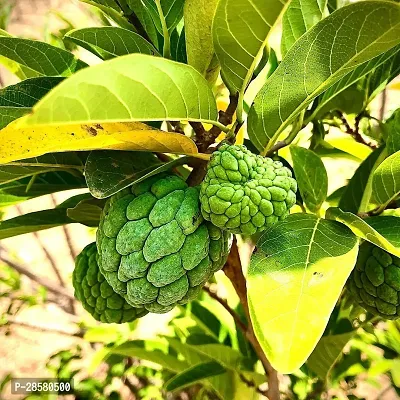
(19,141)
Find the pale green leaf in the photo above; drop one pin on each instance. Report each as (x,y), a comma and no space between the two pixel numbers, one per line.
(386,179)
(241,30)
(110,41)
(41,58)
(383,231)
(152,351)
(17,100)
(87,212)
(199,42)
(353,194)
(321,57)
(311,177)
(194,375)
(294,283)
(299,17)
(134,87)
(327,352)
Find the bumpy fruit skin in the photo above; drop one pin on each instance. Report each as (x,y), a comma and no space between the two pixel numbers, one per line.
(96,295)
(375,281)
(246,193)
(155,248)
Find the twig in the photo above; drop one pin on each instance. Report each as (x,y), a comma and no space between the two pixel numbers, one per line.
(44,328)
(224,303)
(252,384)
(355,133)
(383,105)
(207,138)
(197,174)
(233,270)
(49,285)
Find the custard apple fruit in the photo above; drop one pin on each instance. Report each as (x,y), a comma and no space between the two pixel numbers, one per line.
(155,248)
(96,295)
(375,281)
(246,193)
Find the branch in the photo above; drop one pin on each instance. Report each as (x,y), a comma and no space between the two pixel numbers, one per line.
(43,328)
(355,133)
(224,303)
(233,270)
(49,285)
(207,138)
(252,384)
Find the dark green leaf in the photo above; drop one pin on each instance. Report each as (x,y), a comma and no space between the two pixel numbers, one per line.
(194,374)
(17,100)
(353,194)
(41,58)
(87,212)
(108,172)
(109,41)
(311,177)
(294,283)
(392,130)
(33,222)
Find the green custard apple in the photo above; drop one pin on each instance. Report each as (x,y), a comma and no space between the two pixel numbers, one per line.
(155,248)
(375,281)
(245,193)
(96,295)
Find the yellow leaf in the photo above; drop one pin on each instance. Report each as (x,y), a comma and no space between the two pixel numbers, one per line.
(18,141)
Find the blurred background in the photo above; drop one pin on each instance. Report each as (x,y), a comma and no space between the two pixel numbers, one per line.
(45,333)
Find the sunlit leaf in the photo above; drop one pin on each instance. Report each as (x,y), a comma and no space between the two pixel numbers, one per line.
(135,87)
(386,179)
(241,30)
(321,57)
(294,283)
(21,141)
(299,17)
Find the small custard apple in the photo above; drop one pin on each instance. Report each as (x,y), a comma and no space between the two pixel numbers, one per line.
(246,193)
(375,281)
(155,248)
(96,295)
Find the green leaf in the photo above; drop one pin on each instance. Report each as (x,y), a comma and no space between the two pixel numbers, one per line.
(311,177)
(194,374)
(86,212)
(241,30)
(38,165)
(25,188)
(321,57)
(108,172)
(392,130)
(327,352)
(383,231)
(17,100)
(299,17)
(108,3)
(110,41)
(353,194)
(294,283)
(386,180)
(382,75)
(151,351)
(32,222)
(38,57)
(199,42)
(163,89)
(339,88)
(178,46)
